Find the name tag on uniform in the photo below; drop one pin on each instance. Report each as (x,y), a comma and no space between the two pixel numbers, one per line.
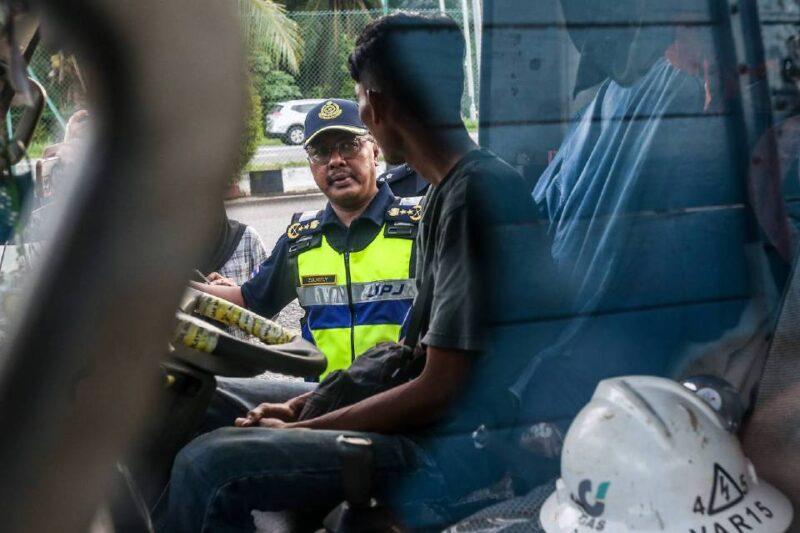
(323,279)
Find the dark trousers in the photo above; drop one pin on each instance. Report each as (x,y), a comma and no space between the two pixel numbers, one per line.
(220,477)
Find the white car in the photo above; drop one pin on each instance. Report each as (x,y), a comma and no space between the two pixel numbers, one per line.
(285,120)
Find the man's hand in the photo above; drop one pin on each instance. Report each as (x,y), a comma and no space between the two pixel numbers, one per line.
(412,405)
(267,411)
(232,294)
(70,150)
(77,126)
(75,136)
(215,278)
(268,414)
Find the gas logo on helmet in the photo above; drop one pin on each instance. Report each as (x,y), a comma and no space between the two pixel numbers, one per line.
(584,489)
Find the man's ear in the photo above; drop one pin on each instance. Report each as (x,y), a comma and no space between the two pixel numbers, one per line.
(376,152)
(378,106)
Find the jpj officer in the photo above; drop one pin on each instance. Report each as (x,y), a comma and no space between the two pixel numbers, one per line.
(349,265)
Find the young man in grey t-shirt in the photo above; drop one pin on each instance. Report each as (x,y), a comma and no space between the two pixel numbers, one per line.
(410,98)
(409,80)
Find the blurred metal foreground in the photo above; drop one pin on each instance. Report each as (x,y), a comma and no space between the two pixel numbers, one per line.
(76,379)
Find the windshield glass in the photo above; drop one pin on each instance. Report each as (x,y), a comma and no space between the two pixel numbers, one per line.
(596,191)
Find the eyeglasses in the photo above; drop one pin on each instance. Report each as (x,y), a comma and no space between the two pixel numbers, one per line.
(347,148)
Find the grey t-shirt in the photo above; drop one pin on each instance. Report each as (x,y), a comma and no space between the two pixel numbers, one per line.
(446,251)
(460,245)
(480,192)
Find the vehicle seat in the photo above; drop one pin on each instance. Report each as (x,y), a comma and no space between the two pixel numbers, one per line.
(517,515)
(771,435)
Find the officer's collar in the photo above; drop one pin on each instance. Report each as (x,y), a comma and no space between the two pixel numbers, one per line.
(374,212)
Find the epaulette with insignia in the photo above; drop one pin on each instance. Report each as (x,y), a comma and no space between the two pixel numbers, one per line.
(304,231)
(394,174)
(403,216)
(305,223)
(398,173)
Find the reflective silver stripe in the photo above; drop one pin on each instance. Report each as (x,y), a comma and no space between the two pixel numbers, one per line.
(322,295)
(373,291)
(380,291)
(305,216)
(411,200)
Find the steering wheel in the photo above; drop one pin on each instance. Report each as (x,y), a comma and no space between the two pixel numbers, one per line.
(201,344)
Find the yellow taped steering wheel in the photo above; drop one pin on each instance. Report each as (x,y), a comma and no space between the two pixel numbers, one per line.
(285,352)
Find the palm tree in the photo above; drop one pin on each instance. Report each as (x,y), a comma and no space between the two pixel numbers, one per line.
(267,28)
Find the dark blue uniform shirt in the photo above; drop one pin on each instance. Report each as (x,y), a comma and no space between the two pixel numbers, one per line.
(404,181)
(274,284)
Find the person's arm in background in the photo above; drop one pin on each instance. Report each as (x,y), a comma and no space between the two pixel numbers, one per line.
(231,293)
(266,293)
(255,255)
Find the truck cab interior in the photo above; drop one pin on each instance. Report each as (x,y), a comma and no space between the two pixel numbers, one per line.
(660,143)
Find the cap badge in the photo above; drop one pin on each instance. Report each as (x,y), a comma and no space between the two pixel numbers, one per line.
(330,111)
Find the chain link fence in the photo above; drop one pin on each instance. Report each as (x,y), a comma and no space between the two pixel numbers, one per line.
(327,38)
(65,85)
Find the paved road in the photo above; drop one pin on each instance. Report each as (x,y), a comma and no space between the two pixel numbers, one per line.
(278,154)
(290,154)
(270,218)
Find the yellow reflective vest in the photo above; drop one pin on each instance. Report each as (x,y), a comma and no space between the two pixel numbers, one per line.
(354,300)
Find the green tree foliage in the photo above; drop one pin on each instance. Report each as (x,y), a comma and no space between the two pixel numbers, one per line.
(63,81)
(331,80)
(329,29)
(253,134)
(272,85)
(332,5)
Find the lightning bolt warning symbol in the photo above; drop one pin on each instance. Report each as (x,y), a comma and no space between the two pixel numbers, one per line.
(723,488)
(725,493)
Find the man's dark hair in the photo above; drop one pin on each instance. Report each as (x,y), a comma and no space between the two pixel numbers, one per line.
(417,60)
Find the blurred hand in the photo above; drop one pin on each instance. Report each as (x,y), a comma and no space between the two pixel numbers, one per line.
(77,126)
(70,151)
(215,278)
(282,412)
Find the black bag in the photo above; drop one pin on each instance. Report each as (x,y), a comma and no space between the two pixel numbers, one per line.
(382,367)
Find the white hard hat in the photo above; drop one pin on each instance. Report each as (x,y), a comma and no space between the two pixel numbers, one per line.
(646,454)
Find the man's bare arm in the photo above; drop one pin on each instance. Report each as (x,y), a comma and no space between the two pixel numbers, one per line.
(232,294)
(415,404)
